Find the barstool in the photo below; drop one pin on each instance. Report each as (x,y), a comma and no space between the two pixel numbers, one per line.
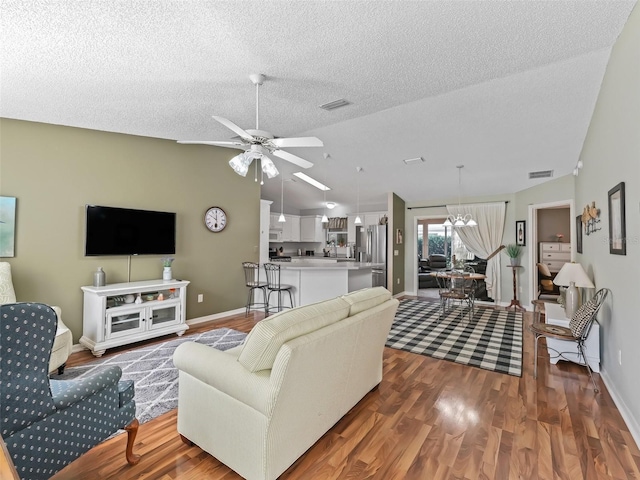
(273,284)
(252,281)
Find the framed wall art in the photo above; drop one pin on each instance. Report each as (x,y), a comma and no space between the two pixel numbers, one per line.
(617,226)
(521,233)
(579,233)
(7,226)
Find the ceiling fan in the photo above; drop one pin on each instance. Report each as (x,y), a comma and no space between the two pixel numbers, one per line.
(258,143)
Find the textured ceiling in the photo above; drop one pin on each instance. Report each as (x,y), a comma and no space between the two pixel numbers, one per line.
(503,87)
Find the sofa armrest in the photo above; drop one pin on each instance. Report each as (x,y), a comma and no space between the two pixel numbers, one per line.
(67,392)
(223,372)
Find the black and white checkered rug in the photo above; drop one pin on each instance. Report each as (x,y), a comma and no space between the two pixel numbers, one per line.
(491,340)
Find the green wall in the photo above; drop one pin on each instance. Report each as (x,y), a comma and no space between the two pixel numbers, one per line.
(55,171)
(397,218)
(611,154)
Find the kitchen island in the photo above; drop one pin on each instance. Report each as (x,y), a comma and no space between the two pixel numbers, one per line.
(321,279)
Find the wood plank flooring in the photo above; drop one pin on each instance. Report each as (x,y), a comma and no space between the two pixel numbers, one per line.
(428,419)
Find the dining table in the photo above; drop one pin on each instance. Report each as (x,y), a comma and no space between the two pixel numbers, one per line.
(442,276)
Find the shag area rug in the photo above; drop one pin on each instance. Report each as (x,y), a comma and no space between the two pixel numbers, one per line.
(492,339)
(151,368)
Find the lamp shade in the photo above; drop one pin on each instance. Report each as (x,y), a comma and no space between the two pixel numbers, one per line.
(573,273)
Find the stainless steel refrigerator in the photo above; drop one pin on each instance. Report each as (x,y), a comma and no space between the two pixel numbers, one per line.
(377,253)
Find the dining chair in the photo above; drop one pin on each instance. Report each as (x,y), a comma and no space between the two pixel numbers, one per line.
(274,285)
(460,289)
(253,283)
(577,331)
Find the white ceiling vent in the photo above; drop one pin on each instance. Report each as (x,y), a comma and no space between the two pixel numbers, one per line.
(541,174)
(341,102)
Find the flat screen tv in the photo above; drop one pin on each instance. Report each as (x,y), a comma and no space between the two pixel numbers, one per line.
(125,231)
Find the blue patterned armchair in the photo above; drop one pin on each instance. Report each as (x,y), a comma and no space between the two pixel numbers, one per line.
(46,424)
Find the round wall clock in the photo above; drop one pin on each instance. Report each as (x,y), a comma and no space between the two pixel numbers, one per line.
(215,219)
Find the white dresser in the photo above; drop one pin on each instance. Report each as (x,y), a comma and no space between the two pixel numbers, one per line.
(568,350)
(554,255)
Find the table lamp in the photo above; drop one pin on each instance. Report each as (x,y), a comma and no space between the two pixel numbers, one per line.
(572,275)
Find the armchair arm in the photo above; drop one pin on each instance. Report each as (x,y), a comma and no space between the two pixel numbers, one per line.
(223,372)
(67,392)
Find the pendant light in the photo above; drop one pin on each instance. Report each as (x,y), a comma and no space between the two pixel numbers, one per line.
(281,218)
(460,220)
(358,220)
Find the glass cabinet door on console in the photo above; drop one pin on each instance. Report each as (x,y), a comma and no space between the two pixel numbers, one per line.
(123,322)
(162,315)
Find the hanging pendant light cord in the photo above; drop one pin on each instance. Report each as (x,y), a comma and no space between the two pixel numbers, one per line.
(257,106)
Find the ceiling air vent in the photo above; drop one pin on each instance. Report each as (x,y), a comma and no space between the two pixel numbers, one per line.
(341,102)
(541,174)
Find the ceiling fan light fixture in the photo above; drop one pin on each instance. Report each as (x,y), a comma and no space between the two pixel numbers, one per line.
(268,167)
(240,164)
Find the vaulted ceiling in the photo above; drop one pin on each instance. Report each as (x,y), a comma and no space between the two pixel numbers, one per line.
(503,87)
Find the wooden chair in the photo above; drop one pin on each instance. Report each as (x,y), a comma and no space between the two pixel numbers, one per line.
(578,330)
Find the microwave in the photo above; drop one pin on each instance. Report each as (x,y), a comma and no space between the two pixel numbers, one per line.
(275,235)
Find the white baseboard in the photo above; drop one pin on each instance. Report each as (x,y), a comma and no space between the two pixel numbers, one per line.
(215,316)
(627,416)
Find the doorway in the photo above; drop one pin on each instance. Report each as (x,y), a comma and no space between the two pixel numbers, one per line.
(548,222)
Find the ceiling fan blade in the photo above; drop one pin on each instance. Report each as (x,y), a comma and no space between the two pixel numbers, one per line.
(232,126)
(239,145)
(290,157)
(297,142)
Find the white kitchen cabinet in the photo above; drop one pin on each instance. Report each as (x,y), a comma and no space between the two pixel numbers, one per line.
(311,229)
(351,228)
(554,255)
(112,318)
(294,221)
(274,224)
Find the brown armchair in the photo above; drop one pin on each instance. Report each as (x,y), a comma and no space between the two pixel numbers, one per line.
(545,281)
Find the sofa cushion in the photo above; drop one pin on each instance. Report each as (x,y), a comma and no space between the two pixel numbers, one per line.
(265,339)
(366,298)
(7,293)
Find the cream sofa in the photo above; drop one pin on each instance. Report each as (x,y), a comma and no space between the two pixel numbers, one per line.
(63,343)
(259,406)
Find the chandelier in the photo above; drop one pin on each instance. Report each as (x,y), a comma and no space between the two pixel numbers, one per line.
(460,220)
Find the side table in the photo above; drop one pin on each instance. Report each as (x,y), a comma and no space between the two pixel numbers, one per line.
(515,303)
(564,350)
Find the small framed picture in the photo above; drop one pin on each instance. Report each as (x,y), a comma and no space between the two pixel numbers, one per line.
(521,233)
(579,233)
(617,226)
(399,236)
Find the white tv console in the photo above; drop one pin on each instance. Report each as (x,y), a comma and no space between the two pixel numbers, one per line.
(111,316)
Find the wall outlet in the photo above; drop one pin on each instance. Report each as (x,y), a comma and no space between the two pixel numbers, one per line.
(200,297)
(620,357)
(396,253)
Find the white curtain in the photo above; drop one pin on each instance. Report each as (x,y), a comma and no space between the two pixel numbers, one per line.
(484,239)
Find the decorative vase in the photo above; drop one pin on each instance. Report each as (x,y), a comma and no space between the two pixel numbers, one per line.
(166,273)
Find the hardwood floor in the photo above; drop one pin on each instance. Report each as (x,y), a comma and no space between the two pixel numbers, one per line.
(429,419)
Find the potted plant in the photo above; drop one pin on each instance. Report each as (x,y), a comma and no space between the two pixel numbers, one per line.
(514,251)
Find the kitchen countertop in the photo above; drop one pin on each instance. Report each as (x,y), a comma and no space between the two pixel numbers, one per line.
(335,265)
